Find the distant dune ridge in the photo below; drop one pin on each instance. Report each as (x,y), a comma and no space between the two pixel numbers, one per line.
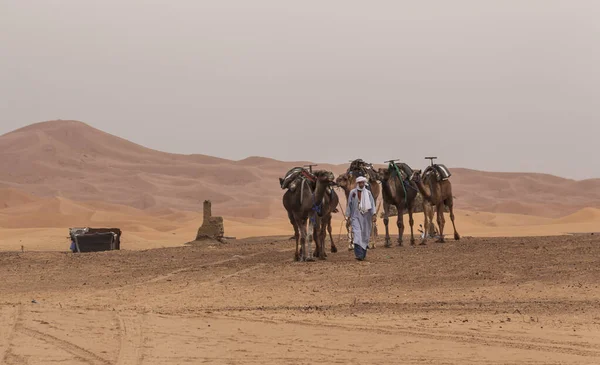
(65,173)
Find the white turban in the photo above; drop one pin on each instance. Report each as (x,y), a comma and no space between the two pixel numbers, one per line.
(365,200)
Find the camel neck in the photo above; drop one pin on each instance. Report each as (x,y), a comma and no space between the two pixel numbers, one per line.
(394,187)
(386,187)
(320,191)
(423,190)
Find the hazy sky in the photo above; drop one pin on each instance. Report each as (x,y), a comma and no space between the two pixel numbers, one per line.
(498,85)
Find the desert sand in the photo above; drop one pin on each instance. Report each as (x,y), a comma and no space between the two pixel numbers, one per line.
(520,288)
(478,301)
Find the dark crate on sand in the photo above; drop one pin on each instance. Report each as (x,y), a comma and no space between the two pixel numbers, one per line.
(97,239)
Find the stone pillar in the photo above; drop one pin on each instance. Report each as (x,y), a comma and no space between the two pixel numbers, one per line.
(212,227)
(207,211)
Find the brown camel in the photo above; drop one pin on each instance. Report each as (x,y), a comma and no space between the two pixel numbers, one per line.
(400,192)
(302,205)
(347,182)
(438,194)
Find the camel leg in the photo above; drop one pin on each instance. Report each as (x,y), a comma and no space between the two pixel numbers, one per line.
(297,237)
(441,221)
(373,227)
(432,231)
(316,235)
(386,222)
(320,230)
(400,224)
(300,249)
(333,247)
(374,232)
(311,230)
(411,222)
(450,205)
(323,235)
(425,226)
(349,230)
(372,238)
(296,233)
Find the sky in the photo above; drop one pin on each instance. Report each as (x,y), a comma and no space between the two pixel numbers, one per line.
(507,85)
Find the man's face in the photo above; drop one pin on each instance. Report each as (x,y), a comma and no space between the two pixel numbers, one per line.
(361,184)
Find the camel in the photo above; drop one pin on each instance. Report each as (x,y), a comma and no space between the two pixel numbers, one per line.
(438,194)
(401,193)
(348,182)
(302,205)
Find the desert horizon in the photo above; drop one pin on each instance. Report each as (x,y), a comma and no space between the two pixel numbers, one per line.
(63,174)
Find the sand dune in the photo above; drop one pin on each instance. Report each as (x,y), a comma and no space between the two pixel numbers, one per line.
(585,215)
(61,174)
(12,197)
(43,224)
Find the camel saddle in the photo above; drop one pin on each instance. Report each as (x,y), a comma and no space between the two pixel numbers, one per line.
(361,168)
(295,176)
(440,172)
(402,170)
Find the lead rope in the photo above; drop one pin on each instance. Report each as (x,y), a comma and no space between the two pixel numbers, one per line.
(342,222)
(397,169)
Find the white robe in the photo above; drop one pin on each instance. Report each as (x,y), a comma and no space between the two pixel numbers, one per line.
(361,223)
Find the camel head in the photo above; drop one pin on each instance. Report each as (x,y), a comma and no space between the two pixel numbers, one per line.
(342,181)
(325,177)
(383,174)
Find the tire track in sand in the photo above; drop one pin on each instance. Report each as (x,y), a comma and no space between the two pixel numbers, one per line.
(79,352)
(9,317)
(531,344)
(131,339)
(234,274)
(197,267)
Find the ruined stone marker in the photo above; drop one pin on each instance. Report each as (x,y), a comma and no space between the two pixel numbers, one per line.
(212,227)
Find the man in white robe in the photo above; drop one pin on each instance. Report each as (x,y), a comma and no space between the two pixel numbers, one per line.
(360,211)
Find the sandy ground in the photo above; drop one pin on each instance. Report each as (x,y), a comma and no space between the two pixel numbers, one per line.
(482,300)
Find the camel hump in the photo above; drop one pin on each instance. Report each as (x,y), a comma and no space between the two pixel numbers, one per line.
(290,176)
(403,170)
(406,170)
(295,176)
(443,171)
(440,172)
(360,167)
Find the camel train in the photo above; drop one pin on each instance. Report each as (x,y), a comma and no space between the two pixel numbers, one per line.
(310,200)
